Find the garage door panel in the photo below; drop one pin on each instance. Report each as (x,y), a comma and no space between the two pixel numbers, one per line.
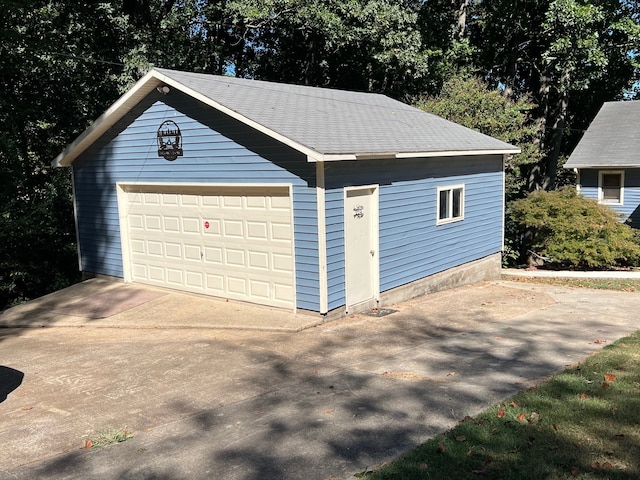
(175,277)
(232,201)
(279,203)
(171,224)
(138,246)
(260,289)
(192,252)
(214,228)
(152,222)
(237,286)
(194,279)
(235,258)
(233,228)
(191,225)
(155,248)
(156,273)
(259,260)
(173,250)
(282,263)
(170,199)
(281,232)
(231,242)
(283,293)
(257,230)
(215,283)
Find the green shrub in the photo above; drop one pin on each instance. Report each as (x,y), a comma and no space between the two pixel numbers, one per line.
(566,227)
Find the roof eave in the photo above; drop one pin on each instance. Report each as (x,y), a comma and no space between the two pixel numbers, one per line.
(335,157)
(600,165)
(108,119)
(141,89)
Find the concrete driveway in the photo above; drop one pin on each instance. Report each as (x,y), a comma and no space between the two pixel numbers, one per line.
(269,400)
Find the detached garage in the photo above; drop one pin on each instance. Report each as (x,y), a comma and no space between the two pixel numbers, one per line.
(283,195)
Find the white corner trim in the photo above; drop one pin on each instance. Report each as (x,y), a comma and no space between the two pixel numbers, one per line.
(322,238)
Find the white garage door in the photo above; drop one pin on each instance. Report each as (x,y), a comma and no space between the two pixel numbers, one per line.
(231,242)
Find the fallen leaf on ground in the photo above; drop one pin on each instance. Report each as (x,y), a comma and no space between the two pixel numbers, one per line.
(522,416)
(441,448)
(500,413)
(28,407)
(451,374)
(461,438)
(595,465)
(584,396)
(607,465)
(598,341)
(327,411)
(609,377)
(555,427)
(87,444)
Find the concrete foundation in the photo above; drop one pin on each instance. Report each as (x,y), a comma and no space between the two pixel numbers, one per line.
(488,268)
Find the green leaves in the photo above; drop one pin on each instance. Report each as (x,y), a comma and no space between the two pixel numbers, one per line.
(569,228)
(470,102)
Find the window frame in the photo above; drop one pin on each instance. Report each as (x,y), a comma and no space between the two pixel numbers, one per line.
(450,189)
(601,174)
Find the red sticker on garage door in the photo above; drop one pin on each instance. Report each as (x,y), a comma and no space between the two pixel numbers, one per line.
(206,224)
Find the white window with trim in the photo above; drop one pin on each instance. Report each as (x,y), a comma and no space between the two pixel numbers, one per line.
(450,204)
(611,187)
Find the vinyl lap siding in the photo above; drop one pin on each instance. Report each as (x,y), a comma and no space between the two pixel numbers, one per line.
(631,208)
(412,246)
(210,156)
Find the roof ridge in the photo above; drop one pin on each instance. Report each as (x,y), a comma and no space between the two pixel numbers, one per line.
(268,84)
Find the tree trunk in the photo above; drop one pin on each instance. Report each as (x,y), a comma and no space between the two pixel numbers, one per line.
(556,143)
(537,175)
(460,27)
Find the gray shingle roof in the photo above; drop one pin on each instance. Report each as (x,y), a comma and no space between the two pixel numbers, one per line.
(324,124)
(336,121)
(612,139)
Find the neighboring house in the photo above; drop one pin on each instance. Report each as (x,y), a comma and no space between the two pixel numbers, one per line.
(284,195)
(607,159)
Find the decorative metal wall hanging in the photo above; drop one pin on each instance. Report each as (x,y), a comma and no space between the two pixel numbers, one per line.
(169,140)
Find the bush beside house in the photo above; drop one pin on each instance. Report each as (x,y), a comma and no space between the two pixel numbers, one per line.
(564,227)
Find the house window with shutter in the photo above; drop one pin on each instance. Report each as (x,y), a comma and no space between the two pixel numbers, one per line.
(611,187)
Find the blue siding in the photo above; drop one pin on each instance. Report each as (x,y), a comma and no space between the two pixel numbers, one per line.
(217,149)
(412,246)
(630,210)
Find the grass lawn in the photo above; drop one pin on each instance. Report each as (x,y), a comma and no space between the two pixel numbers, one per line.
(626,285)
(583,423)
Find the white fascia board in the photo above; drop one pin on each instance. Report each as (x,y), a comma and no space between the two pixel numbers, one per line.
(311,154)
(336,157)
(458,153)
(141,89)
(107,120)
(602,166)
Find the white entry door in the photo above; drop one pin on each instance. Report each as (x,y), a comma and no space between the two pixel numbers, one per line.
(361,244)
